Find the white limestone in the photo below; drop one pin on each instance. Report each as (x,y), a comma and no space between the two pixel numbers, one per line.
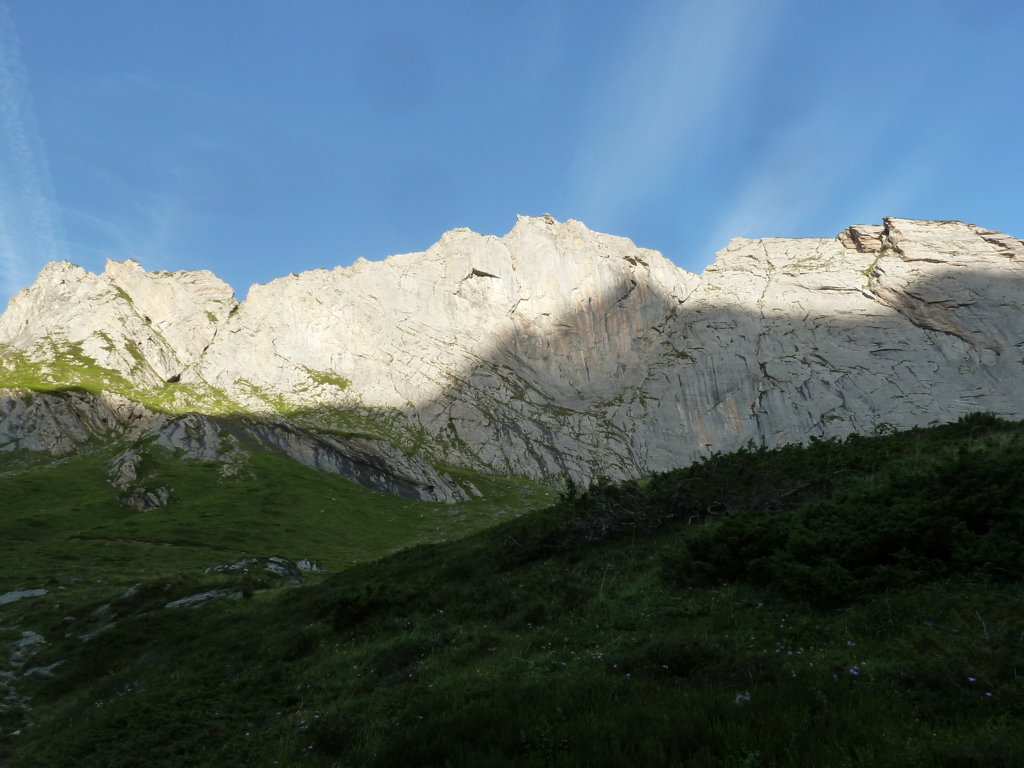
(555,350)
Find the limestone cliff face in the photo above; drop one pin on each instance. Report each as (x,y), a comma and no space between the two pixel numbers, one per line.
(403,330)
(148,326)
(554,350)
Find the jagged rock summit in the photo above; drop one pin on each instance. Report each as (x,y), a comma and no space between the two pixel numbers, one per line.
(552,351)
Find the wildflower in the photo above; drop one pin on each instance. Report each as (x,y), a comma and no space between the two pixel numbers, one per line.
(971,679)
(850,643)
(854,671)
(742,698)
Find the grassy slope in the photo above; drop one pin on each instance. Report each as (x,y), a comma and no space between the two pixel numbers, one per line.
(277,506)
(62,529)
(859,604)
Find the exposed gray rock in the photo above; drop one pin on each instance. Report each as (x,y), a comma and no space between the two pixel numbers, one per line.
(145,499)
(131,592)
(280,567)
(203,597)
(195,436)
(42,673)
(20,594)
(60,422)
(124,469)
(28,644)
(190,436)
(373,463)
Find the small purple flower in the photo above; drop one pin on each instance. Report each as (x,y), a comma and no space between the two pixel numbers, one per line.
(850,643)
(988,693)
(971,679)
(854,671)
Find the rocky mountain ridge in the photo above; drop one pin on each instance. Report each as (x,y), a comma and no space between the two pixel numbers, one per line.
(553,351)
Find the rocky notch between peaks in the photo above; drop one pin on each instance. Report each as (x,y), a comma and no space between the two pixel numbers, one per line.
(551,352)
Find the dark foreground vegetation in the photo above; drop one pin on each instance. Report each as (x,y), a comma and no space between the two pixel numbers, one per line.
(854,603)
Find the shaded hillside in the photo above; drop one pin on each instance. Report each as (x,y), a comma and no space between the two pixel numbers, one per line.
(853,602)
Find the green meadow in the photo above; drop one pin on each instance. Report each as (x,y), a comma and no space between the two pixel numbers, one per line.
(847,603)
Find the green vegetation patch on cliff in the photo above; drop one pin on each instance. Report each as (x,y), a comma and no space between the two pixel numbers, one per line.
(68,367)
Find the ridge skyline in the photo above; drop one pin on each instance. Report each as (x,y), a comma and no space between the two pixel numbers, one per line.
(520,219)
(556,350)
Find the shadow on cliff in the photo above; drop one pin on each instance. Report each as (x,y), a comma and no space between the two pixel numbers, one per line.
(635,381)
(641,382)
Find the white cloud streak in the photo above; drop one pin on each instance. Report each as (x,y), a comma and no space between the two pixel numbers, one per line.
(678,67)
(817,164)
(798,170)
(30,232)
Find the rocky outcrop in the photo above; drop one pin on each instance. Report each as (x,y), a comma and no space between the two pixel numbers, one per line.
(64,423)
(61,422)
(399,333)
(275,566)
(901,325)
(373,463)
(146,326)
(145,499)
(550,351)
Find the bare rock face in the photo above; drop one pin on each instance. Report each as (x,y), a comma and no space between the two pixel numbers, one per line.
(146,326)
(60,422)
(552,351)
(400,330)
(499,351)
(901,325)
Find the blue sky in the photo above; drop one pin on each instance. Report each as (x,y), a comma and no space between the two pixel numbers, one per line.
(261,137)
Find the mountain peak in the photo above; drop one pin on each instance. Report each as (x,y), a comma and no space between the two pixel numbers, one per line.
(555,350)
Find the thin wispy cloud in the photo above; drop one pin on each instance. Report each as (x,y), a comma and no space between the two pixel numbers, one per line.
(819,162)
(677,123)
(677,68)
(30,233)
(796,173)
